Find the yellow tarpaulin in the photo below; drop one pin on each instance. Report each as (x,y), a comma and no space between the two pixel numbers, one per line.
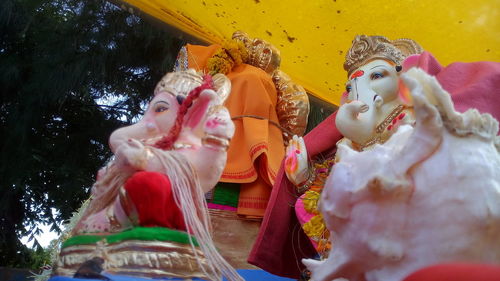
(313,36)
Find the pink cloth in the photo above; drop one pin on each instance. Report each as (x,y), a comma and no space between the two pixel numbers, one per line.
(471,85)
(221,207)
(281,243)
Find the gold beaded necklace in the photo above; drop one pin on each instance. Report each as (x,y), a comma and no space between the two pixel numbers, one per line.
(397,112)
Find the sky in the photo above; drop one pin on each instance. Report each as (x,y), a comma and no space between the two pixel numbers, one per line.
(44,238)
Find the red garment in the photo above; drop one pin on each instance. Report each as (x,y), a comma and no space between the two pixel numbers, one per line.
(457,272)
(281,243)
(152,195)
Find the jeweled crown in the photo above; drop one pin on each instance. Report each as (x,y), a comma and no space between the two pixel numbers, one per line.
(366,48)
(180,83)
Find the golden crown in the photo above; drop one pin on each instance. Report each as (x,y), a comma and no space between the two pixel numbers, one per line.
(366,48)
(180,83)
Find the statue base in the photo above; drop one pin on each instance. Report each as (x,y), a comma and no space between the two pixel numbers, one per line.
(153,252)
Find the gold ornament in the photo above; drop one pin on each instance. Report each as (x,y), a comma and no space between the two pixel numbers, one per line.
(382,131)
(366,48)
(182,82)
(152,259)
(292,105)
(261,54)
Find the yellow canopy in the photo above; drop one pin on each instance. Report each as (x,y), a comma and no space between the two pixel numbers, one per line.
(313,36)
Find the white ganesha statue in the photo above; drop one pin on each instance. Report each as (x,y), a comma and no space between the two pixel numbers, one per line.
(430,194)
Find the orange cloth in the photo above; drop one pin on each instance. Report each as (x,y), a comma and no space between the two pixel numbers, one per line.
(253,199)
(257,148)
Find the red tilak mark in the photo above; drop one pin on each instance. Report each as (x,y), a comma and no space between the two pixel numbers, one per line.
(357,74)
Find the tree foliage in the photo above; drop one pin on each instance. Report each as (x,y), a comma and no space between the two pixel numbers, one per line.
(72,71)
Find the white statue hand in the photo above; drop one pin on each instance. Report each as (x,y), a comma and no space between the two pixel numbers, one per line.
(296,161)
(219,122)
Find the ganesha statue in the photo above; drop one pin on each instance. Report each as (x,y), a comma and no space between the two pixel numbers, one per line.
(373,106)
(428,195)
(413,182)
(147,215)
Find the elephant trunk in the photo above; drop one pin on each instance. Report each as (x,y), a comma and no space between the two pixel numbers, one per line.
(356,121)
(137,131)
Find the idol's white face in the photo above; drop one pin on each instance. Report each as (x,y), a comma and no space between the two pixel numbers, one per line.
(156,122)
(377,78)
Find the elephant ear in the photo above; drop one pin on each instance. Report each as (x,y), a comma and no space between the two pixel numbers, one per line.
(199,109)
(222,86)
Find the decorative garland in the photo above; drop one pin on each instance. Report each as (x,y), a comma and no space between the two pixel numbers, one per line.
(315,228)
(232,54)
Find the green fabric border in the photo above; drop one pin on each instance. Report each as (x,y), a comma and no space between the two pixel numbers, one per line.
(137,233)
(226,194)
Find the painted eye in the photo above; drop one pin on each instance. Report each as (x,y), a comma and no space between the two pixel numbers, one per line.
(161,108)
(348,88)
(376,75)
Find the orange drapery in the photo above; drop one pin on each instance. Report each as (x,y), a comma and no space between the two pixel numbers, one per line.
(257,148)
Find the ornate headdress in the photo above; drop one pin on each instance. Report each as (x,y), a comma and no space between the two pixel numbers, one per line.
(261,54)
(365,48)
(180,83)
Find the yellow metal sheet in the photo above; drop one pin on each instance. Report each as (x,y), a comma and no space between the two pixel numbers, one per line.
(313,36)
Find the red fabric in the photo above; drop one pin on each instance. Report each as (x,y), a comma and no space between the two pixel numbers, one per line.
(322,138)
(456,272)
(152,195)
(281,243)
